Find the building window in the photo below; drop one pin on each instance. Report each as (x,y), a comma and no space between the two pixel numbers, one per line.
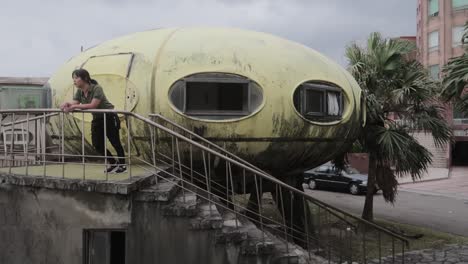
(459,117)
(208,97)
(216,96)
(433,7)
(23,97)
(319,101)
(104,246)
(457,35)
(433,41)
(459,4)
(434,70)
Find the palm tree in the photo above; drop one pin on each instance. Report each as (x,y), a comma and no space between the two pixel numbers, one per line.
(400,99)
(456,78)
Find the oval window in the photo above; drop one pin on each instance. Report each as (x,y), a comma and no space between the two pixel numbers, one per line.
(216,96)
(319,101)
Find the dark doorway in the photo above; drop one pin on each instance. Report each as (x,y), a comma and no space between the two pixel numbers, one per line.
(104,247)
(460,154)
(117,247)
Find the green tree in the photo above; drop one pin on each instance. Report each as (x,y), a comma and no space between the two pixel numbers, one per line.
(396,87)
(456,78)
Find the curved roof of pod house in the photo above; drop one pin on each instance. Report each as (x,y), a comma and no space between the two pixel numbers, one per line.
(272,62)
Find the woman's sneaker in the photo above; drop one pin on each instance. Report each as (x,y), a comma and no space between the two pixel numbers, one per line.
(121,169)
(111,168)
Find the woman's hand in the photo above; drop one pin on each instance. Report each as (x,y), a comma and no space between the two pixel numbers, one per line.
(69,108)
(64,106)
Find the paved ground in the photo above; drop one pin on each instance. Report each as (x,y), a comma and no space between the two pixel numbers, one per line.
(446,214)
(453,254)
(456,186)
(441,205)
(430,175)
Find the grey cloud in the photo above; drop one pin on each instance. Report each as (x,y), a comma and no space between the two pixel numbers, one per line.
(42,36)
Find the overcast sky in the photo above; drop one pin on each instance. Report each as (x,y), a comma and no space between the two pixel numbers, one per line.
(37,36)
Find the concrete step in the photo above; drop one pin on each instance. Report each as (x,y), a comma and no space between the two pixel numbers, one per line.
(183,205)
(207,217)
(253,242)
(163,191)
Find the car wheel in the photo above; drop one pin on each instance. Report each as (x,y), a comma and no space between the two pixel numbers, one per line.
(312,184)
(354,189)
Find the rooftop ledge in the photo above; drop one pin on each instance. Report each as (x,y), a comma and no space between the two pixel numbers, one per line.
(94,181)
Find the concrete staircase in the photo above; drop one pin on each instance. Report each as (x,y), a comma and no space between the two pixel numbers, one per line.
(439,155)
(242,239)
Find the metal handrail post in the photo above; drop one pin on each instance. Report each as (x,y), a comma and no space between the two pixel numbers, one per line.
(44,146)
(129,131)
(12,143)
(27,144)
(82,145)
(105,147)
(62,143)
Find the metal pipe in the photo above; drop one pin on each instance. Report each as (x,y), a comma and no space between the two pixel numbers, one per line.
(153,151)
(27,144)
(232,196)
(227,179)
(129,132)
(291,214)
(191,161)
(306,226)
(173,155)
(82,145)
(62,143)
(284,220)
(44,146)
(12,141)
(259,198)
(105,147)
(180,168)
(206,178)
(26,120)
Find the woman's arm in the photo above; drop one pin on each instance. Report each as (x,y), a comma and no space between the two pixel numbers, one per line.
(68,104)
(93,105)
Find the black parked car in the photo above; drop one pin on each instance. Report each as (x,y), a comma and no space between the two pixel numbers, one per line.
(328,176)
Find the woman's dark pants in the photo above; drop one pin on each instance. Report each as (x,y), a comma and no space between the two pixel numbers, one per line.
(112,131)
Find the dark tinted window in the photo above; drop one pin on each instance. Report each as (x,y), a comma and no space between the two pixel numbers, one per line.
(314,102)
(216,96)
(211,96)
(319,101)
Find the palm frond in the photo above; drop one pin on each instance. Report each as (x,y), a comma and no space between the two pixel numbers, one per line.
(396,85)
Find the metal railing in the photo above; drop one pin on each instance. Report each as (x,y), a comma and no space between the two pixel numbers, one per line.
(216,175)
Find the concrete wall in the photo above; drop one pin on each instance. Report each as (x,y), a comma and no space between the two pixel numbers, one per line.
(46,226)
(440,156)
(443,23)
(155,238)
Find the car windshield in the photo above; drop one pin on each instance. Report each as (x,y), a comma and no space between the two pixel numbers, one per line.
(351,170)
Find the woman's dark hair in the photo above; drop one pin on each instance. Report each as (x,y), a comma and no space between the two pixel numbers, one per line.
(84,75)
